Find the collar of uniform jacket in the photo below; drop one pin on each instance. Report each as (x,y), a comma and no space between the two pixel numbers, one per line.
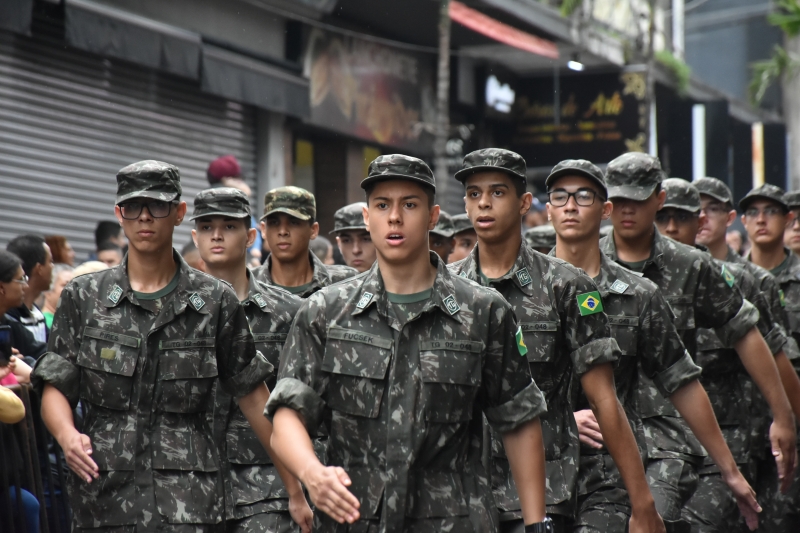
(319,277)
(609,247)
(519,273)
(605,280)
(372,291)
(186,290)
(792,270)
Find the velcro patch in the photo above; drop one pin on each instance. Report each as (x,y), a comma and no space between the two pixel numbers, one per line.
(115,294)
(108,353)
(196,301)
(260,301)
(451,305)
(589,303)
(366,298)
(523,277)
(619,287)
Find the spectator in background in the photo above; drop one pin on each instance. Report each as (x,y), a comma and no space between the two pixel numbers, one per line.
(89,267)
(192,257)
(323,249)
(109,254)
(536,215)
(109,231)
(13,285)
(37,262)
(735,240)
(62,274)
(61,249)
(225,171)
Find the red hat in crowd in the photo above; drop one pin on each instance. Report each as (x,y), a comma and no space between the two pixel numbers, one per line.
(223,167)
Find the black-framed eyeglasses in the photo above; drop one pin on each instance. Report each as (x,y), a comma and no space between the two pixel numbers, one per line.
(769,212)
(583,197)
(156,208)
(680,217)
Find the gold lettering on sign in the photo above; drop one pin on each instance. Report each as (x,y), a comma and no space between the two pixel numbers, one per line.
(604,106)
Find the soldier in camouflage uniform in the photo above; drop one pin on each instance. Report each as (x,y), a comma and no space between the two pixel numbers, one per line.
(712,508)
(140,345)
(565,331)
(791,237)
(288,225)
(766,217)
(464,236)
(255,498)
(399,363)
(352,236)
(440,238)
(541,238)
(699,296)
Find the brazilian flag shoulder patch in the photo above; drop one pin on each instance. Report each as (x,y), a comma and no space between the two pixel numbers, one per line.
(521,342)
(589,303)
(727,276)
(782,297)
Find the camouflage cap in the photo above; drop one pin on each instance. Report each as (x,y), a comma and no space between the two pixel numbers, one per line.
(349,217)
(792,199)
(294,201)
(765,192)
(149,179)
(541,236)
(715,189)
(399,166)
(490,160)
(461,223)
(633,176)
(221,201)
(444,226)
(681,195)
(577,167)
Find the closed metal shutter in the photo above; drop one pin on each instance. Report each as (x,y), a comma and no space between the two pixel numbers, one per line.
(69,120)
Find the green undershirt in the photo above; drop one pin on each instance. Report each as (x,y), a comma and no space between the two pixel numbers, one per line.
(780,268)
(406,307)
(409,298)
(299,289)
(160,293)
(636,266)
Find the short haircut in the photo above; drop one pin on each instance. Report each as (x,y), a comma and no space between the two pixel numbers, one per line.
(108,245)
(58,268)
(30,249)
(520,185)
(106,230)
(430,193)
(248,221)
(9,264)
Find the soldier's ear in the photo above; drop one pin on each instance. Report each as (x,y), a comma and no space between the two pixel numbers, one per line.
(314,230)
(365,214)
(608,208)
(434,218)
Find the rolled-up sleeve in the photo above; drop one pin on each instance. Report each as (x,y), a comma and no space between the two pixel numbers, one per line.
(53,369)
(683,371)
(588,337)
(298,396)
(739,325)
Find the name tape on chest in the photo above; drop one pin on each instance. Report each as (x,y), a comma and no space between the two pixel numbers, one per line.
(115,294)
(260,301)
(619,287)
(364,301)
(196,301)
(269,337)
(523,277)
(589,303)
(451,304)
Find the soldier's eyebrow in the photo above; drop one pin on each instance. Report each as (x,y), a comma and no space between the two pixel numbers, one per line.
(407,197)
(490,186)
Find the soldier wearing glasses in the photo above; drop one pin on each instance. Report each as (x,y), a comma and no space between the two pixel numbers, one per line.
(140,345)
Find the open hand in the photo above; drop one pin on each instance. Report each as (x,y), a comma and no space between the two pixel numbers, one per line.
(327,487)
(589,429)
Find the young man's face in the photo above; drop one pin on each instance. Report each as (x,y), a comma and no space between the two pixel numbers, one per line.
(493,205)
(765,222)
(222,241)
(357,249)
(146,233)
(678,224)
(574,222)
(443,246)
(465,242)
(714,225)
(288,236)
(398,220)
(791,237)
(110,257)
(632,219)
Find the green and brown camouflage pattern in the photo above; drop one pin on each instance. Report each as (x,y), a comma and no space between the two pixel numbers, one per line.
(221,201)
(149,179)
(577,167)
(461,222)
(561,344)
(714,188)
(633,176)
(349,217)
(493,160)
(252,484)
(146,394)
(767,191)
(543,236)
(444,226)
(681,195)
(404,400)
(323,275)
(290,200)
(792,199)
(399,166)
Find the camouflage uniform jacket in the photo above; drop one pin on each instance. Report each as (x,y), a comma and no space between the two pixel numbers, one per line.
(252,484)
(323,276)
(146,393)
(561,343)
(403,401)
(698,295)
(789,282)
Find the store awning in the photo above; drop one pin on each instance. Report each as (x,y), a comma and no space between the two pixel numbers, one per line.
(501,32)
(15,16)
(112,32)
(254,82)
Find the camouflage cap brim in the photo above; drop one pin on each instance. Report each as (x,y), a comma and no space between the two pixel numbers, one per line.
(745,202)
(683,207)
(151,195)
(574,172)
(631,192)
(226,214)
(386,177)
(347,228)
(291,212)
(464,173)
(445,234)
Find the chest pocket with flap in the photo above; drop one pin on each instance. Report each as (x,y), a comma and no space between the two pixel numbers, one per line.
(187,369)
(108,362)
(451,375)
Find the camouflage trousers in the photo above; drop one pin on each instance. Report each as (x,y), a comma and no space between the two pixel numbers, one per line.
(672,482)
(560,525)
(162,528)
(781,511)
(452,524)
(275,522)
(712,508)
(603,503)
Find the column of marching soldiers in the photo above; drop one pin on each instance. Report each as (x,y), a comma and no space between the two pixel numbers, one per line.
(641,381)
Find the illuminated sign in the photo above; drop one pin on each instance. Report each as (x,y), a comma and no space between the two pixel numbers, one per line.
(499,96)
